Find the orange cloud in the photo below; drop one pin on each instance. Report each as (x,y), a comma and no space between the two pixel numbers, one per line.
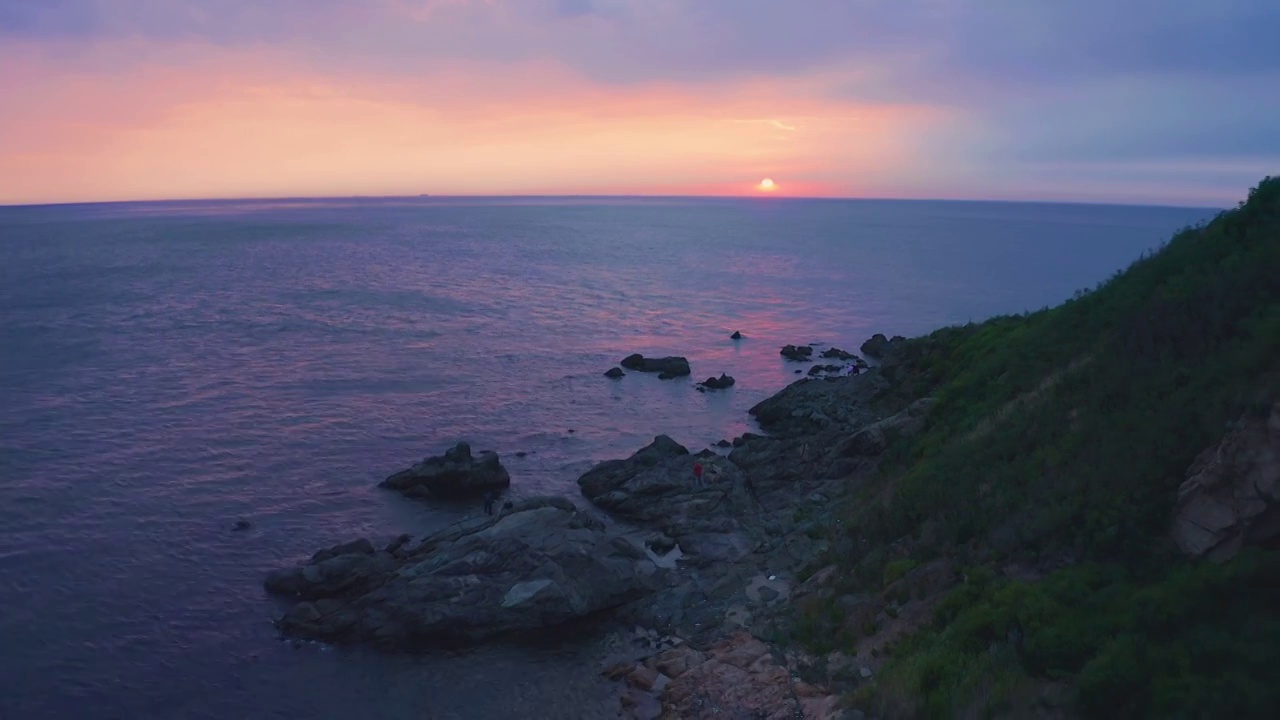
(203,121)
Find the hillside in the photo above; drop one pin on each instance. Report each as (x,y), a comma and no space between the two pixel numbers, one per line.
(1045,483)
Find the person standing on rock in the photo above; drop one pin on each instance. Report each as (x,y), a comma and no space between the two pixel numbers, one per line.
(489,498)
(697,474)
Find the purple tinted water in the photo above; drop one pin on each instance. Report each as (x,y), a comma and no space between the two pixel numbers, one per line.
(169,368)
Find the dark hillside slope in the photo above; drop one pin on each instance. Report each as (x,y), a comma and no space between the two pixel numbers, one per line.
(1047,478)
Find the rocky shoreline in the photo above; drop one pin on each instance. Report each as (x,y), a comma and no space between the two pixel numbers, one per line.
(704,567)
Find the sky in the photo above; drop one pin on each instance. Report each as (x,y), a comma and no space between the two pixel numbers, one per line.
(1126,101)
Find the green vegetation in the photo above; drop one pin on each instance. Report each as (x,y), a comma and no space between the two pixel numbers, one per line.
(1058,441)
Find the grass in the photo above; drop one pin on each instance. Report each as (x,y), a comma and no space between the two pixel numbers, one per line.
(1060,438)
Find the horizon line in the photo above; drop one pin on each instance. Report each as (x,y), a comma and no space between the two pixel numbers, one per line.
(601,196)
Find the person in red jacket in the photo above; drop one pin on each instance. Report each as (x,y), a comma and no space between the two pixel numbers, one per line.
(697,474)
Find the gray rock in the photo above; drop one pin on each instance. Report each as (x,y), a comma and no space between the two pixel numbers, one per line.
(837,354)
(720,383)
(666,367)
(736,335)
(614,373)
(797,353)
(656,486)
(543,563)
(455,475)
(1231,497)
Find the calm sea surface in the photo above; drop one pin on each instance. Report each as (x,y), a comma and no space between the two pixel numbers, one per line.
(169,368)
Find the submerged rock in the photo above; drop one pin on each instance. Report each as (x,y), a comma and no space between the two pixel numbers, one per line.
(666,367)
(540,564)
(736,335)
(720,383)
(797,353)
(614,373)
(455,475)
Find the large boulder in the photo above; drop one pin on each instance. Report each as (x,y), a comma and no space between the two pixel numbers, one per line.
(720,383)
(656,486)
(806,406)
(838,354)
(540,564)
(455,475)
(666,367)
(881,347)
(798,353)
(1231,496)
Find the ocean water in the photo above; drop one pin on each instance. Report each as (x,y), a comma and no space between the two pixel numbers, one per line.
(169,368)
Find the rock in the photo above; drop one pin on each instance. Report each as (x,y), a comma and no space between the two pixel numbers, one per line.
(720,383)
(643,678)
(540,565)
(656,486)
(456,475)
(739,678)
(880,347)
(614,373)
(799,371)
(619,670)
(242,525)
(667,367)
(677,661)
(798,353)
(355,547)
(805,407)
(838,354)
(820,369)
(724,444)
(736,335)
(661,544)
(874,438)
(745,438)
(522,454)
(865,672)
(1231,497)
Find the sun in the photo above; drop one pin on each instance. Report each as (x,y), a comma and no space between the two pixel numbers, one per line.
(767,185)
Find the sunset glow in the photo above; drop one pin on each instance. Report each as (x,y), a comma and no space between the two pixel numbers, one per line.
(767,185)
(134,99)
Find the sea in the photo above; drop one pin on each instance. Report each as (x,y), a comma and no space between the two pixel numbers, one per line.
(170,368)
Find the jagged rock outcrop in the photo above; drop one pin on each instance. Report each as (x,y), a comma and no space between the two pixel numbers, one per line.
(666,367)
(798,353)
(807,406)
(541,563)
(455,475)
(720,383)
(1231,497)
(656,486)
(880,347)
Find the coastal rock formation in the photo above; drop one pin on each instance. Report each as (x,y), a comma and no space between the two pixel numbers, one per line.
(736,335)
(720,383)
(797,353)
(824,369)
(1231,497)
(806,406)
(737,677)
(880,347)
(838,354)
(455,475)
(540,564)
(656,486)
(666,367)
(614,373)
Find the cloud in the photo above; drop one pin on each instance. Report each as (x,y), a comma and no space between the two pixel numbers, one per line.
(1023,85)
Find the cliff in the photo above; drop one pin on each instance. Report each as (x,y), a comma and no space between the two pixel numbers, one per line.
(1030,552)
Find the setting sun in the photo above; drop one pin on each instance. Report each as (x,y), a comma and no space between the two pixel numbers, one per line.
(767,185)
